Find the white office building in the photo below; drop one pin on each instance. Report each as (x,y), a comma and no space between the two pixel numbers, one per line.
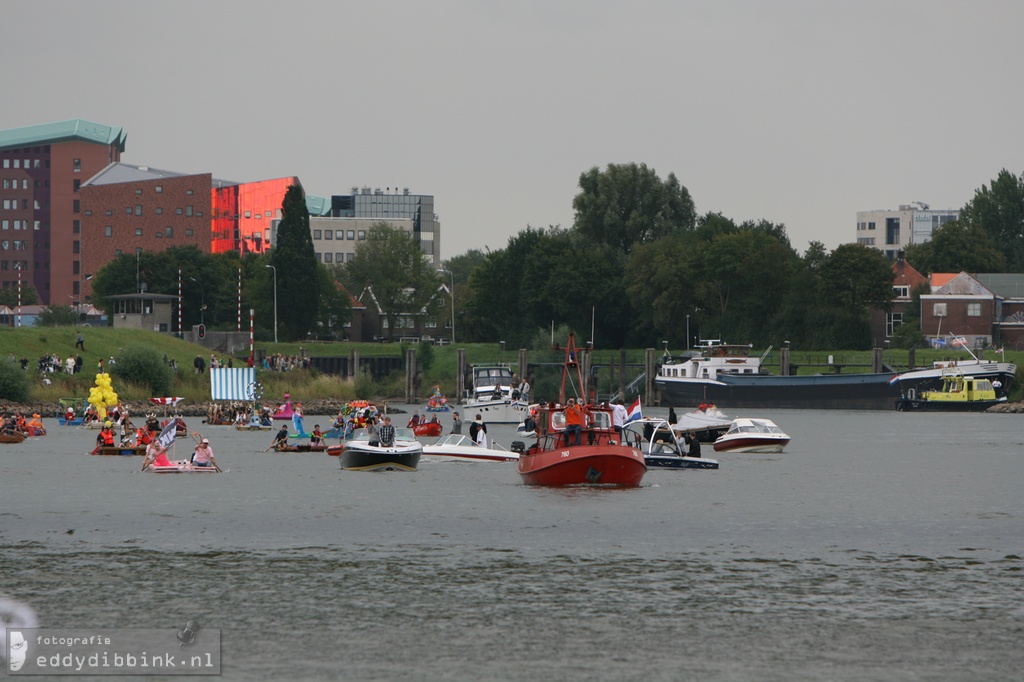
(893,231)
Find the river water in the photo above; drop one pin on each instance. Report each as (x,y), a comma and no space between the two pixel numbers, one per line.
(878,546)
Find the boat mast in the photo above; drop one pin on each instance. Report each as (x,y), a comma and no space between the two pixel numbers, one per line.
(572,362)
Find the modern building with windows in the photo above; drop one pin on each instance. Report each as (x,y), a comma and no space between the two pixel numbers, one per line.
(893,231)
(42,169)
(411,212)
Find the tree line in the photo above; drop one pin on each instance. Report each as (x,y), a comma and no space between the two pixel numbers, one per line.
(638,267)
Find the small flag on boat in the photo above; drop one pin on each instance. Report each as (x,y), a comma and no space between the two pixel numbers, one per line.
(959,341)
(169,433)
(895,380)
(634,413)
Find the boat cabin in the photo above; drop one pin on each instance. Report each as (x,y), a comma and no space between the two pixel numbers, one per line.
(957,388)
(712,358)
(490,382)
(550,419)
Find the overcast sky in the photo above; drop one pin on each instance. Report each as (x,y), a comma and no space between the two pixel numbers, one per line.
(800,113)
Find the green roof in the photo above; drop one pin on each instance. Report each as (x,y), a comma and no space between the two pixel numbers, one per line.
(63,131)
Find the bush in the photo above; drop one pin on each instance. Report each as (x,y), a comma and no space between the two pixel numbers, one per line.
(425,354)
(144,366)
(14,383)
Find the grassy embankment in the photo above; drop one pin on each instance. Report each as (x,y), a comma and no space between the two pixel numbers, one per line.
(104,342)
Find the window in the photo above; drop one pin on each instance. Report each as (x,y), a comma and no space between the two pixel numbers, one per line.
(77,184)
(138,209)
(973,310)
(158,211)
(188,192)
(901,291)
(108,212)
(351,234)
(177,211)
(127,210)
(248,214)
(892,320)
(137,191)
(168,231)
(76,246)
(158,189)
(76,226)
(78,165)
(6,224)
(108,231)
(328,257)
(88,212)
(316,234)
(328,234)
(351,257)
(318,256)
(341,234)
(188,232)
(138,231)
(339,258)
(362,235)
(76,206)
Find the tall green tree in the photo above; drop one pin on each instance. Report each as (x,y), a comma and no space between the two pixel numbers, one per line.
(999,209)
(661,282)
(293,256)
(9,296)
(393,266)
(957,247)
(628,204)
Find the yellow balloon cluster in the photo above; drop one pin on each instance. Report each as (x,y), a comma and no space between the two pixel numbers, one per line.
(102,395)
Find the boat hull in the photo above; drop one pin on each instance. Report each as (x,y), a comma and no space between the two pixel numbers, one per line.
(676,462)
(497,411)
(820,391)
(301,447)
(752,444)
(615,465)
(370,458)
(918,405)
(124,450)
(180,467)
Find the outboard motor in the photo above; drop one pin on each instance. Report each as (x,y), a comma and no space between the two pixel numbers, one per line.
(518,447)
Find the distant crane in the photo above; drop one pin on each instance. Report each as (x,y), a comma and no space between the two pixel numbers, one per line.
(924,206)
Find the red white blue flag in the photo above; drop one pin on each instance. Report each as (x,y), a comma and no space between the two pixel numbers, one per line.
(634,413)
(895,380)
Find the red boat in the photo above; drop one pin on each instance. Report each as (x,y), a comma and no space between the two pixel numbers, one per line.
(599,459)
(427,429)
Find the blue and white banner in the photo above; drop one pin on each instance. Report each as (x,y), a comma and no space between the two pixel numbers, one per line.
(232,383)
(169,433)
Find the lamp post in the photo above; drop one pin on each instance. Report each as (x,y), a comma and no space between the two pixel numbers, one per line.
(452,296)
(275,299)
(687,332)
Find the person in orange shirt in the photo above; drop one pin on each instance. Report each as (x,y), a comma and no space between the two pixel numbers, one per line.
(574,422)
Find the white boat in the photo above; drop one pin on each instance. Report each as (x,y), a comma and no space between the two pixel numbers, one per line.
(662,447)
(1000,374)
(357,454)
(752,435)
(492,395)
(707,422)
(460,446)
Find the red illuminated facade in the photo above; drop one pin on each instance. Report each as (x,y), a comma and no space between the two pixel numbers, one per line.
(243,214)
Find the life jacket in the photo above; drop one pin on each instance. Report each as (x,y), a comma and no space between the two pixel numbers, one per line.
(108,436)
(142,437)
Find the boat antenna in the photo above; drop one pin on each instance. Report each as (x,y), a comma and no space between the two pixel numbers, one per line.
(766,352)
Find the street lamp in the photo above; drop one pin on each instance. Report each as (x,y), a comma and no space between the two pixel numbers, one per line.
(452,295)
(687,332)
(275,299)
(202,300)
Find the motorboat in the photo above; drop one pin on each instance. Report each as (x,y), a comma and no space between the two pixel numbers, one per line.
(124,450)
(595,455)
(728,374)
(752,435)
(662,446)
(958,393)
(358,454)
(182,466)
(492,395)
(461,446)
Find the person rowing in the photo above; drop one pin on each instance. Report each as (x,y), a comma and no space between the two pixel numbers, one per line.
(203,455)
(156,454)
(280,439)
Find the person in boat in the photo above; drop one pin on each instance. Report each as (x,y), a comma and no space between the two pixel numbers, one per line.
(143,436)
(105,438)
(524,391)
(574,422)
(373,430)
(530,424)
(619,417)
(317,437)
(386,434)
(281,438)
(90,414)
(414,421)
(456,423)
(672,418)
(693,445)
(203,455)
(481,431)
(435,420)
(152,424)
(156,454)
(69,414)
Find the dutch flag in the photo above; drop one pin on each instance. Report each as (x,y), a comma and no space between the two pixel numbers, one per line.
(634,413)
(895,380)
